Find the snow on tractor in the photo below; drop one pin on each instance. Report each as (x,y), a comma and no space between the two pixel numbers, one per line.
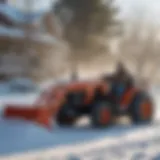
(68,102)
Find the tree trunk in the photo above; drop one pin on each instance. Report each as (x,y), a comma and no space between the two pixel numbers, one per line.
(74,66)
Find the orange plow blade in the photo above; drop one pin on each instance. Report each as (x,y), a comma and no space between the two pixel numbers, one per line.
(39,115)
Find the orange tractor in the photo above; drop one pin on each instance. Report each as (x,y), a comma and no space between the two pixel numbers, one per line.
(68,102)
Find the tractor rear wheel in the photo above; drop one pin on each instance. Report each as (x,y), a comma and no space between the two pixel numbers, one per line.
(142,109)
(102,115)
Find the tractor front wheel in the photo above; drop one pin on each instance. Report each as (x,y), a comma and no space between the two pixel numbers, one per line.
(66,117)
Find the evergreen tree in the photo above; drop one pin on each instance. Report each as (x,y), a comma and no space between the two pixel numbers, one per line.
(87,26)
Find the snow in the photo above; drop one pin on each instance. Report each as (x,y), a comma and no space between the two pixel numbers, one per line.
(19,33)
(17,85)
(22,99)
(22,140)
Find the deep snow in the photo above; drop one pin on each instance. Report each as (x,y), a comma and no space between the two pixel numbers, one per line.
(22,141)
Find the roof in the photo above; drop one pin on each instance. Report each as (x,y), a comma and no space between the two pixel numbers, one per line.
(5,20)
(19,16)
(19,33)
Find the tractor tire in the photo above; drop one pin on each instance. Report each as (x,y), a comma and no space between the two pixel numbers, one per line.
(101,115)
(142,109)
(66,117)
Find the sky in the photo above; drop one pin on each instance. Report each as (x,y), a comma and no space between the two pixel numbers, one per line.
(150,7)
(128,7)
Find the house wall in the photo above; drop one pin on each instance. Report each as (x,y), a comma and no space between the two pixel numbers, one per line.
(34,59)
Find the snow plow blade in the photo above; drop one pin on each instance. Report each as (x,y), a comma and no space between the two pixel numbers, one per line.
(39,115)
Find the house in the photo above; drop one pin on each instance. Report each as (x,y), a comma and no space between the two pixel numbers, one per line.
(28,40)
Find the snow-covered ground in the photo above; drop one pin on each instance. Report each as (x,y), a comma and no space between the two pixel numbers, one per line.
(24,141)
